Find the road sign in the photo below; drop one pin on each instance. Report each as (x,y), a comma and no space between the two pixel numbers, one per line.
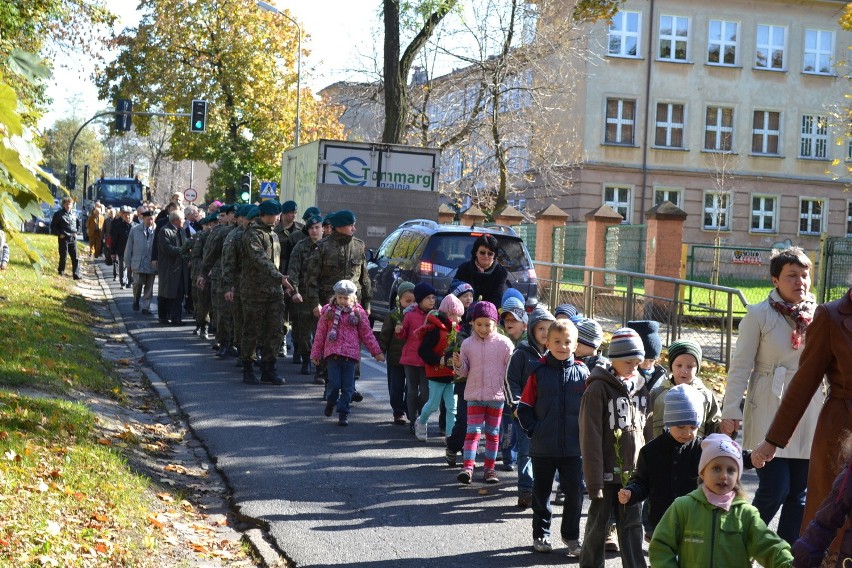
(268,190)
(190,194)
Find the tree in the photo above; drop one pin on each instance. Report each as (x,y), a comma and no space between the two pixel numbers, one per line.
(88,148)
(239,58)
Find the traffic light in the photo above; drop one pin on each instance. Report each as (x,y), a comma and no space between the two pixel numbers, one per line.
(71,177)
(198,118)
(123,118)
(245,187)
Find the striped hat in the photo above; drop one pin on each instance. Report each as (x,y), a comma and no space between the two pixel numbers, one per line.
(566,310)
(684,347)
(626,344)
(684,406)
(589,332)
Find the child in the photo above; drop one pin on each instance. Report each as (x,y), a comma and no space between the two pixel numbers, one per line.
(714,525)
(463,291)
(513,320)
(392,347)
(612,420)
(649,331)
(685,362)
(566,311)
(527,357)
(343,326)
(435,341)
(484,359)
(455,440)
(417,388)
(589,338)
(549,412)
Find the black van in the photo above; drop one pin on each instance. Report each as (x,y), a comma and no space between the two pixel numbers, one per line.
(422,250)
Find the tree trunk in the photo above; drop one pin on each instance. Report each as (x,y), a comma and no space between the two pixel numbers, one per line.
(395,104)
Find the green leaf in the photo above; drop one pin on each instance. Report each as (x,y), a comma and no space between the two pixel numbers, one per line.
(9,116)
(29,66)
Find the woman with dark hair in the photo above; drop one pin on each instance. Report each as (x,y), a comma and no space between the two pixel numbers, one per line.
(487,276)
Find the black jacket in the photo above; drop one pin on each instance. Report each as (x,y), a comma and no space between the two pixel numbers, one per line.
(119,231)
(489,285)
(64,223)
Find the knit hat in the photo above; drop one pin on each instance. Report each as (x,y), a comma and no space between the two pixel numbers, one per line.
(684,406)
(649,331)
(682,347)
(421,290)
(253,212)
(720,445)
(311,212)
(289,206)
(457,288)
(404,286)
(346,287)
(269,207)
(566,310)
(512,293)
(451,306)
(483,309)
(589,332)
(512,305)
(625,344)
(343,218)
(538,315)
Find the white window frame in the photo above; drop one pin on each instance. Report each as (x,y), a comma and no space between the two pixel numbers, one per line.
(618,28)
(669,126)
(617,203)
(666,193)
(620,121)
(672,39)
(772,44)
(763,212)
(809,215)
(813,137)
(723,43)
(849,217)
(720,209)
(765,132)
(520,204)
(817,53)
(719,129)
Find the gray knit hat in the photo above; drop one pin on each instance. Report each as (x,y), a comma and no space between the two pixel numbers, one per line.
(346,287)
(625,344)
(404,286)
(589,332)
(684,406)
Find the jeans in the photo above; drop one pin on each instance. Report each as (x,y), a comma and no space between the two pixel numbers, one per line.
(68,247)
(396,389)
(455,440)
(440,392)
(341,382)
(570,469)
(508,439)
(784,485)
(417,390)
(628,525)
(525,464)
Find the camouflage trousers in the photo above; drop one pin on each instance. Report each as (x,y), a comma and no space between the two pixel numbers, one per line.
(304,327)
(224,317)
(200,303)
(237,313)
(262,325)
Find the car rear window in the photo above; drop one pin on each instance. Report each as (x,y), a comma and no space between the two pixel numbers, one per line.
(452,249)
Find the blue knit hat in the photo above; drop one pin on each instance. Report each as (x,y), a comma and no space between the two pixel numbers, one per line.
(512,305)
(457,288)
(649,331)
(684,406)
(625,344)
(421,290)
(566,310)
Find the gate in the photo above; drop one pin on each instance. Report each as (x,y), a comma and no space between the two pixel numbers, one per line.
(837,263)
(625,251)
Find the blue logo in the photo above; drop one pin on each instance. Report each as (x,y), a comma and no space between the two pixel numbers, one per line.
(345,175)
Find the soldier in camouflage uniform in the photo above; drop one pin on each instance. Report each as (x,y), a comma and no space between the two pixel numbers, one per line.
(211,269)
(232,267)
(200,297)
(262,295)
(295,329)
(304,322)
(286,227)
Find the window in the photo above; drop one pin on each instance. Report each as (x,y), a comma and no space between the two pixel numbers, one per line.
(814,140)
(849,218)
(771,47)
(766,132)
(717,205)
(723,42)
(667,194)
(669,125)
(624,34)
(519,204)
(819,48)
(618,197)
(719,129)
(810,216)
(674,38)
(763,213)
(620,116)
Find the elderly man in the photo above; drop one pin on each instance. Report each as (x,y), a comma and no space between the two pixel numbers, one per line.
(119,231)
(64,226)
(140,242)
(171,268)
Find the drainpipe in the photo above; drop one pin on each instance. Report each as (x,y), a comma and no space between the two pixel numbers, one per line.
(647,113)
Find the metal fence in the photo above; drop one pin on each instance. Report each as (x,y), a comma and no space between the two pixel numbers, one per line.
(710,326)
(746,268)
(569,247)
(625,251)
(527,232)
(836,260)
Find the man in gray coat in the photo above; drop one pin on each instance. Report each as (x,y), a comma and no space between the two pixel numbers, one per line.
(137,253)
(171,268)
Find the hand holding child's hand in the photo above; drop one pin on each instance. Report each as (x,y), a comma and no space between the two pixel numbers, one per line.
(729,426)
(398,329)
(624,496)
(380,357)
(456,360)
(316,362)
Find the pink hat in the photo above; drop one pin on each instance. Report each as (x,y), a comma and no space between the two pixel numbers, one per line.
(451,306)
(720,445)
(484,310)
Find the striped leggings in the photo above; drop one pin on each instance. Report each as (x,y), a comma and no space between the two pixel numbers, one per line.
(482,415)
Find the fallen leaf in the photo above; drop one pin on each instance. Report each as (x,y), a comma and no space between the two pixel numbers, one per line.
(156,522)
(42,486)
(483,491)
(53,528)
(105,442)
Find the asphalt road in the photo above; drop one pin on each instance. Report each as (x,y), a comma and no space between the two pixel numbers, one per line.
(366,495)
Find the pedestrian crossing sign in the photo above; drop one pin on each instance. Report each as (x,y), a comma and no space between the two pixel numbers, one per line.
(268,190)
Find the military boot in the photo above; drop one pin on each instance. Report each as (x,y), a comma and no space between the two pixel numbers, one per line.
(269,375)
(223,349)
(248,373)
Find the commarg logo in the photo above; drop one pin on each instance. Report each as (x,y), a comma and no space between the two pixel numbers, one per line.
(355,171)
(345,174)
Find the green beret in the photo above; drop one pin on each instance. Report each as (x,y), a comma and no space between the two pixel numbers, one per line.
(289,206)
(343,218)
(270,207)
(311,212)
(327,219)
(226,208)
(238,210)
(311,221)
(252,212)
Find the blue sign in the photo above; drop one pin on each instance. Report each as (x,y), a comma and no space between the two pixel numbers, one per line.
(268,190)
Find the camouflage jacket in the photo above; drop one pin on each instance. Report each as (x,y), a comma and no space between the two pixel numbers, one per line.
(284,239)
(212,264)
(261,253)
(232,260)
(297,269)
(337,257)
(197,248)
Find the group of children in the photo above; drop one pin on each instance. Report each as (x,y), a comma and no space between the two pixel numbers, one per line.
(620,428)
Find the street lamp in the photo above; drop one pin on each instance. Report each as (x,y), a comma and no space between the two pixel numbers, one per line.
(271,8)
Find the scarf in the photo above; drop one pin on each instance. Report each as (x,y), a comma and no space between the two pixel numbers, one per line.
(721,501)
(338,313)
(799,315)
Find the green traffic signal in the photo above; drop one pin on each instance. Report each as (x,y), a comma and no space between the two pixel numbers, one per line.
(245,196)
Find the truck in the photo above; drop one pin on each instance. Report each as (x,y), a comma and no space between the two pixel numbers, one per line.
(114,192)
(383,184)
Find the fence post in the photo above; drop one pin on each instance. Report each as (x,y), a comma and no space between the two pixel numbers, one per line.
(471,216)
(546,221)
(662,256)
(729,333)
(509,216)
(597,222)
(446,215)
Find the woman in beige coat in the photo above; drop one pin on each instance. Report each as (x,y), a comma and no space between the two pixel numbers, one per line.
(771,339)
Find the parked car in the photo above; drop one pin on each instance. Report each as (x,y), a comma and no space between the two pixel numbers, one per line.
(423,250)
(40,224)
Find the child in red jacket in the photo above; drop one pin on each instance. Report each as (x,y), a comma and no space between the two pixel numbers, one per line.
(417,387)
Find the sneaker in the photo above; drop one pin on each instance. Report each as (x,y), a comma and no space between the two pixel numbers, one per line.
(542,544)
(343,420)
(574,547)
(560,498)
(357,396)
(508,466)
(611,541)
(421,430)
(450,456)
(490,476)
(399,419)
(465,476)
(524,500)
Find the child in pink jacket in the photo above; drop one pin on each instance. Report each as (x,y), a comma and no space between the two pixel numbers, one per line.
(484,360)
(343,326)
(416,384)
